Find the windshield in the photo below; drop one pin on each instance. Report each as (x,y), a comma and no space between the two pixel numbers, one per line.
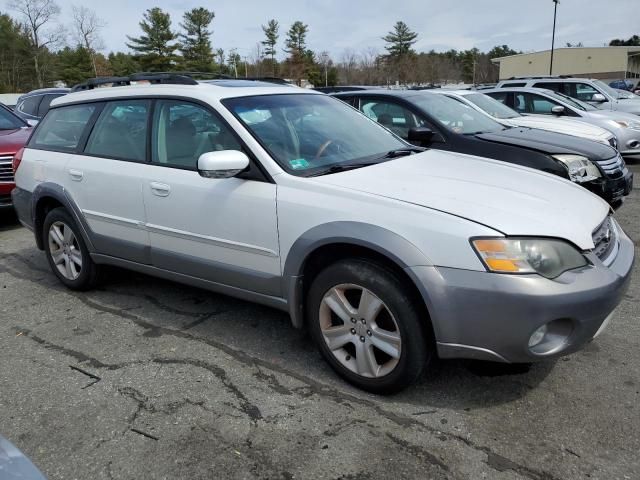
(574,102)
(455,115)
(308,133)
(8,121)
(491,106)
(607,89)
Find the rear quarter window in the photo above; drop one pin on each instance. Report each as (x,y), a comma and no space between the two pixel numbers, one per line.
(62,128)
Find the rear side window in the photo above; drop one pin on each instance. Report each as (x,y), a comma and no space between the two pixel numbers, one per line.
(62,128)
(121,131)
(30,105)
(514,84)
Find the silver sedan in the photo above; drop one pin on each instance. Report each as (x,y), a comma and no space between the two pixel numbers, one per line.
(538,101)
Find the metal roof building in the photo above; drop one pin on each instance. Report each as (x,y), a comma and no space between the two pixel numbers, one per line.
(605,63)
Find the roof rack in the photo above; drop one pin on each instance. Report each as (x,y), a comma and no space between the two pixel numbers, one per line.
(539,77)
(172,78)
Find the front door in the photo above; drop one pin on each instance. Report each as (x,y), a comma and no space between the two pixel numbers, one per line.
(221,230)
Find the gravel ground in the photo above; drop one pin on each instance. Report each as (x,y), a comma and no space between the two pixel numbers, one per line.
(146,379)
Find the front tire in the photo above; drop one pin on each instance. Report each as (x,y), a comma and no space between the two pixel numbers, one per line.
(66,251)
(367,326)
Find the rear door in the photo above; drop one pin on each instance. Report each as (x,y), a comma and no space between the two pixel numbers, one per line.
(105,180)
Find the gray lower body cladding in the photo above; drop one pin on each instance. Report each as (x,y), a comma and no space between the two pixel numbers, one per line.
(491,316)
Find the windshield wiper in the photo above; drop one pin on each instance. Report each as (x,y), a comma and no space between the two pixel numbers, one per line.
(401,152)
(341,168)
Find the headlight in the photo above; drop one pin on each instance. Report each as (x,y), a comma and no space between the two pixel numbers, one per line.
(546,257)
(580,168)
(628,124)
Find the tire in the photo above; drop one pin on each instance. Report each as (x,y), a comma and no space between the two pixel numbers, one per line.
(66,251)
(396,326)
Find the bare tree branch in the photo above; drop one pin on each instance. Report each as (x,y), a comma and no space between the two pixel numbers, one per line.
(87,26)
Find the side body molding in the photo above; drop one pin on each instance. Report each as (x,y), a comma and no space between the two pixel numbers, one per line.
(59,193)
(383,241)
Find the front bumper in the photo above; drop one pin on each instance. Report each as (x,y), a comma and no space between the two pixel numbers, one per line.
(5,194)
(492,316)
(610,189)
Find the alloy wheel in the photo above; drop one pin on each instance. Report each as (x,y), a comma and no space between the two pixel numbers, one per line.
(360,330)
(65,250)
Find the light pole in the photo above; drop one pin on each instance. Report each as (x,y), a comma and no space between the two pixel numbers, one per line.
(553,35)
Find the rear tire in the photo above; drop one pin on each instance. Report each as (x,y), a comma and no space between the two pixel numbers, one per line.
(66,251)
(381,345)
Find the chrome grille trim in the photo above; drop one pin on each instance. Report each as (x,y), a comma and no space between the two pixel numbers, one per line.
(612,166)
(6,170)
(605,239)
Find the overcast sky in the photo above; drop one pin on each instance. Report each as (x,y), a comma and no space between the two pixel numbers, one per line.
(336,25)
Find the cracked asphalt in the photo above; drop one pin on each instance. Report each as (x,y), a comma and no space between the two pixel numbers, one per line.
(144,378)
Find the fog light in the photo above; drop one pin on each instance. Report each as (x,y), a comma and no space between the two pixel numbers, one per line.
(538,336)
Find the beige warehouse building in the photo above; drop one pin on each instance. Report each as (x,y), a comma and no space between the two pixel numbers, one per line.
(605,63)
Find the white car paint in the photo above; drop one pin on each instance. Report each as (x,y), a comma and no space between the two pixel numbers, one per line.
(553,124)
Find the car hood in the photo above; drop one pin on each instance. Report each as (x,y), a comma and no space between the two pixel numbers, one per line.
(562,125)
(550,142)
(613,115)
(510,199)
(13,140)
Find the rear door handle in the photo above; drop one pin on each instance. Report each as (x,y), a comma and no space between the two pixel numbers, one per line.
(160,189)
(76,175)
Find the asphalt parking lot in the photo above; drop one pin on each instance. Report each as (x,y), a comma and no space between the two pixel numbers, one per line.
(146,379)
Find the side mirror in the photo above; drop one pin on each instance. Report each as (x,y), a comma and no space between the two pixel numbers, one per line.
(421,135)
(32,123)
(557,110)
(222,164)
(598,97)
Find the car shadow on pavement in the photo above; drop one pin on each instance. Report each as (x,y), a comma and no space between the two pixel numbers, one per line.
(266,334)
(8,220)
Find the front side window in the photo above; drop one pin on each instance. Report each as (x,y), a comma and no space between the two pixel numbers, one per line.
(307,133)
(8,121)
(183,131)
(391,115)
(62,128)
(531,103)
(455,115)
(585,92)
(121,131)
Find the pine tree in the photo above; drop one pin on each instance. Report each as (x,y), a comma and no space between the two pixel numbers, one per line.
(271,34)
(196,41)
(400,40)
(296,41)
(155,47)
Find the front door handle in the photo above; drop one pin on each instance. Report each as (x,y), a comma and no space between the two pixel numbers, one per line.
(160,189)
(76,175)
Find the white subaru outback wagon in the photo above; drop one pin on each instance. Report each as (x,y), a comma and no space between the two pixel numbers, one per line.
(387,253)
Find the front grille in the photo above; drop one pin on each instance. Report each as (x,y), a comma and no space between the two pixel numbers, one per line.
(6,170)
(612,166)
(605,239)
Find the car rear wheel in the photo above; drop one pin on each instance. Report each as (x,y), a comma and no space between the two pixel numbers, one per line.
(66,252)
(367,326)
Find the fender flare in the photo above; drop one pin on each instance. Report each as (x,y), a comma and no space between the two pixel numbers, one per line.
(381,240)
(60,194)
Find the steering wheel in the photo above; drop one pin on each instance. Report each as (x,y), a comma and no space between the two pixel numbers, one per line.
(322,148)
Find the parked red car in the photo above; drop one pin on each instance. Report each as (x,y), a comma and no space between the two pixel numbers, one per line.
(14,133)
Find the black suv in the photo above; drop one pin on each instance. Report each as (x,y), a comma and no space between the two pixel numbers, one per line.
(440,122)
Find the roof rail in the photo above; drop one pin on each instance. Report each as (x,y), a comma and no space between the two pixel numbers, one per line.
(97,82)
(146,77)
(539,77)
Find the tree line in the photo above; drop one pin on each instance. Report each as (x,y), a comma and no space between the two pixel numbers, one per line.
(38,51)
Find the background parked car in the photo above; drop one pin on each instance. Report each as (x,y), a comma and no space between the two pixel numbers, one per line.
(506,115)
(538,101)
(33,105)
(435,120)
(596,92)
(628,85)
(14,133)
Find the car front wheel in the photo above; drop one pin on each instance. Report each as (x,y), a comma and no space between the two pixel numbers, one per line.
(367,326)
